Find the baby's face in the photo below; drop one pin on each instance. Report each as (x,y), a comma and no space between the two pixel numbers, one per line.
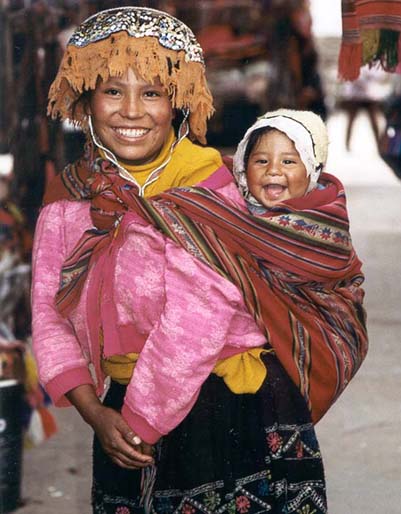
(275,170)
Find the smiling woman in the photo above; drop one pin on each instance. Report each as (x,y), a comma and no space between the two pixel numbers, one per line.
(126,75)
(201,415)
(131,117)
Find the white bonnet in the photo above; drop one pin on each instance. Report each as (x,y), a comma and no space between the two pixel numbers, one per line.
(309,134)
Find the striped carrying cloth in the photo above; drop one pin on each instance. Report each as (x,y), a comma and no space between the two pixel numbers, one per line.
(296,267)
(371,34)
(298,273)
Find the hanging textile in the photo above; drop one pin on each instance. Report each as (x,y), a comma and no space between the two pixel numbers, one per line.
(371,35)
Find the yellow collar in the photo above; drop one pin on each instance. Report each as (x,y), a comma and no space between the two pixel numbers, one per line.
(178,165)
(141,172)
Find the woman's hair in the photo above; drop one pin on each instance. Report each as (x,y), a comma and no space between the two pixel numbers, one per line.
(150,42)
(253,140)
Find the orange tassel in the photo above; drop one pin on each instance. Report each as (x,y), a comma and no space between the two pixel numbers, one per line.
(350,61)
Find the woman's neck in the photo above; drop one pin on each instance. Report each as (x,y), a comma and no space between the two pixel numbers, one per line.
(144,169)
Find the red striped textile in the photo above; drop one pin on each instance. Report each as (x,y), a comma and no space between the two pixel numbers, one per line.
(295,266)
(298,272)
(358,18)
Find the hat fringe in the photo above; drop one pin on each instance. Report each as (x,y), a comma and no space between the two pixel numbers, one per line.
(82,67)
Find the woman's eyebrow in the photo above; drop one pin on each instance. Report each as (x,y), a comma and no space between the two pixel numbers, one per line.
(114,81)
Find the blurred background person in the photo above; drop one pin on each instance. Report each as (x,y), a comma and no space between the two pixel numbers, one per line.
(366,94)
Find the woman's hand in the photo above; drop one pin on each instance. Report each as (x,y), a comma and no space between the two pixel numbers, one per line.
(116,437)
(144,448)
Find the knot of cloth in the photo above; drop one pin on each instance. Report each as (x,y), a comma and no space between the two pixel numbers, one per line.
(110,195)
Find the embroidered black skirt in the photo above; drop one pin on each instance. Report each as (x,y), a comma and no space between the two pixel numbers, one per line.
(234,454)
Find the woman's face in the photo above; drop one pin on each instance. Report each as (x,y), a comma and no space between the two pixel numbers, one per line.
(131,117)
(275,170)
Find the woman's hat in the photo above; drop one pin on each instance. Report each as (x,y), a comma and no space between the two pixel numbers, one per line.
(153,43)
(305,128)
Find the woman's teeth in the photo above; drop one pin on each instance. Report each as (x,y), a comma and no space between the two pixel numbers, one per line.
(131,132)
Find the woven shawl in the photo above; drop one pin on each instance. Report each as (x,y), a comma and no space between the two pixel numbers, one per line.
(296,268)
(371,35)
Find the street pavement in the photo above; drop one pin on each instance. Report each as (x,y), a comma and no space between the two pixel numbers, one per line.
(360,436)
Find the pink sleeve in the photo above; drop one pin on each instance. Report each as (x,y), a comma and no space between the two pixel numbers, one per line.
(222,181)
(184,346)
(61,363)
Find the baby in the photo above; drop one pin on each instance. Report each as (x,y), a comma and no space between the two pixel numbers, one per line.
(280,158)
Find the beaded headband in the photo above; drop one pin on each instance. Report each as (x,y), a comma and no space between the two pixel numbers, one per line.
(153,43)
(139,22)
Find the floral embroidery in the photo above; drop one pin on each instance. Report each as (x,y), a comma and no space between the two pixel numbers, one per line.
(284,220)
(274,441)
(187,509)
(262,492)
(123,510)
(305,225)
(306,509)
(325,233)
(212,500)
(309,228)
(340,237)
(242,504)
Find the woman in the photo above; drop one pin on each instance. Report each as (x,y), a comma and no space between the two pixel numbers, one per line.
(128,76)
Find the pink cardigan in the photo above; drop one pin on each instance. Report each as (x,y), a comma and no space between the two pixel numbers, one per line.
(156,299)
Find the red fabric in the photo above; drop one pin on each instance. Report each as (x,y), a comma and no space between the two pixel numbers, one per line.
(359,15)
(307,301)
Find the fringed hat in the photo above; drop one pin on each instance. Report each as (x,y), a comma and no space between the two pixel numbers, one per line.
(308,132)
(152,43)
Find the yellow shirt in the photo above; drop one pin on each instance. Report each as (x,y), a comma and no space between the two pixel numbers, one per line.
(189,165)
